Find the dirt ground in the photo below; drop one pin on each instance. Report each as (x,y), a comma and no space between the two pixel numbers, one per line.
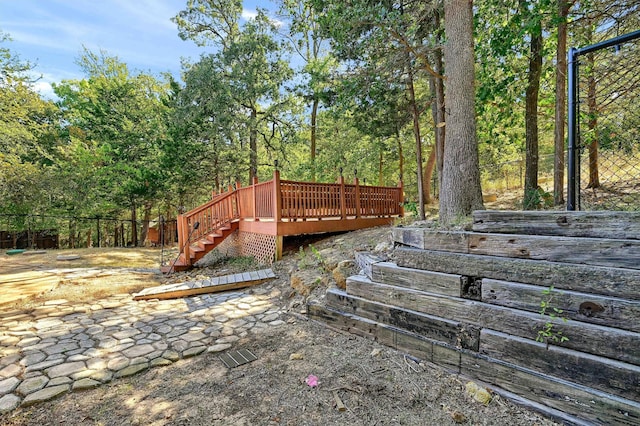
(376,385)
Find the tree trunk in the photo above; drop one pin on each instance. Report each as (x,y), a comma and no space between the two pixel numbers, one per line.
(381,166)
(561,101)
(429,167)
(253,145)
(460,191)
(436,85)
(134,226)
(415,114)
(146,218)
(314,118)
(594,175)
(531,196)
(400,153)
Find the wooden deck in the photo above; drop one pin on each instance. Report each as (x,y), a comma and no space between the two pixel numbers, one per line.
(283,208)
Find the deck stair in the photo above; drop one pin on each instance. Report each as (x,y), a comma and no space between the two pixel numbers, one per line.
(203,229)
(470,301)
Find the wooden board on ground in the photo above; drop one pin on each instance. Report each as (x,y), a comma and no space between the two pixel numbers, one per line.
(212,285)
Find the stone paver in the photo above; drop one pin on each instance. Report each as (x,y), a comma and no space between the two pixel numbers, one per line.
(59,347)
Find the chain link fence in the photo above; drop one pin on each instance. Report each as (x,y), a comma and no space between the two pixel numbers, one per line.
(607,125)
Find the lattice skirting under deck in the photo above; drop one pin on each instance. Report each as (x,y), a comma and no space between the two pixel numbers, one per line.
(261,247)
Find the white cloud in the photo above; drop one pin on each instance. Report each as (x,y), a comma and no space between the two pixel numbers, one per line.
(248,14)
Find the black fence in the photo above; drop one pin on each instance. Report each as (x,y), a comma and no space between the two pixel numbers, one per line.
(27,231)
(604,125)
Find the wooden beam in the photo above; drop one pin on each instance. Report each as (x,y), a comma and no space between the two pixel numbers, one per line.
(600,224)
(616,282)
(589,370)
(617,253)
(590,338)
(602,310)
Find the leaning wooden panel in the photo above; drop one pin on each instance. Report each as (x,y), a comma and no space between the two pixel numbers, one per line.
(617,282)
(589,405)
(432,282)
(593,371)
(591,308)
(601,224)
(453,333)
(610,342)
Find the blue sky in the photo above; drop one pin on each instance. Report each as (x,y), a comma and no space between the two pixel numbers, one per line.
(51,33)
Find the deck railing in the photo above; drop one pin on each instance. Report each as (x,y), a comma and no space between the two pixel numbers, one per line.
(281,200)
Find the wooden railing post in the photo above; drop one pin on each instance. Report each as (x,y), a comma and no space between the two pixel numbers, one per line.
(357,184)
(343,198)
(254,208)
(277,196)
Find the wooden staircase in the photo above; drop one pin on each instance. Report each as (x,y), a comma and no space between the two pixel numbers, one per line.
(203,229)
(470,302)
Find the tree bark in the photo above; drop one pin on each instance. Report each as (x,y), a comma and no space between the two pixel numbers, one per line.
(253,145)
(428,174)
(436,85)
(415,113)
(460,191)
(134,226)
(561,101)
(531,196)
(314,118)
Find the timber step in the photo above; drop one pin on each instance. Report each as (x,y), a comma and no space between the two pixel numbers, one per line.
(598,224)
(211,285)
(609,252)
(561,399)
(586,337)
(543,305)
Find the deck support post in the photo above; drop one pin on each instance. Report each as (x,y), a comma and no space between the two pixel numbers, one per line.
(279,244)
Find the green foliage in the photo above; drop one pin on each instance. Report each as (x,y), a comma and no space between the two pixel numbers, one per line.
(548,333)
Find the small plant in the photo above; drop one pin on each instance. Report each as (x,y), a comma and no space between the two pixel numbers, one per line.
(316,254)
(548,334)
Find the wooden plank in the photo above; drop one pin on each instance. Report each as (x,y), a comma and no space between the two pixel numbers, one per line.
(600,224)
(224,283)
(607,311)
(441,329)
(616,253)
(617,282)
(592,371)
(431,282)
(589,338)
(588,405)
